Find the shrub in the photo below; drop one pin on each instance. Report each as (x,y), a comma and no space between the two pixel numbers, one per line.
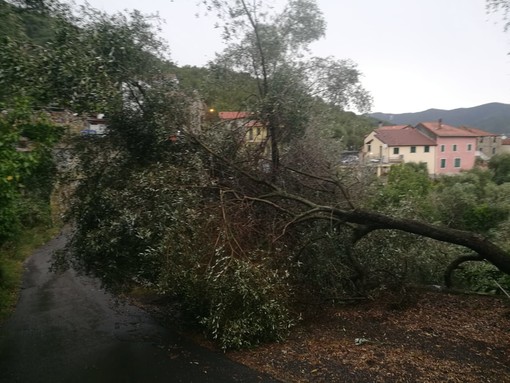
(481,277)
(242,304)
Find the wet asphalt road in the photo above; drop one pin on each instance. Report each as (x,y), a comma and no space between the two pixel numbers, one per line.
(66,329)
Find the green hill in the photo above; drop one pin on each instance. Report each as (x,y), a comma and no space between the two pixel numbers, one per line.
(493,117)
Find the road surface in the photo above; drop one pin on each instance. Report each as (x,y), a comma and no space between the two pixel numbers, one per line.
(66,329)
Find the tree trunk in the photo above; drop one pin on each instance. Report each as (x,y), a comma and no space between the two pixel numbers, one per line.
(476,242)
(455,265)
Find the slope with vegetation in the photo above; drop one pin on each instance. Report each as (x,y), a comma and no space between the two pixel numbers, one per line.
(493,117)
(237,240)
(27,172)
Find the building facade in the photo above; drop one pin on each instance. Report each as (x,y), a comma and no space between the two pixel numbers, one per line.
(443,148)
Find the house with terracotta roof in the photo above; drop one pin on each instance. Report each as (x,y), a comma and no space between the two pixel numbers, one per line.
(389,145)
(251,129)
(445,149)
(487,144)
(455,147)
(505,145)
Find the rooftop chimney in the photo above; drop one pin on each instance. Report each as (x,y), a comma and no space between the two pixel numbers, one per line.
(440,123)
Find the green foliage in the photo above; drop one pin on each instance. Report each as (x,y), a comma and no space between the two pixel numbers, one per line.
(393,259)
(86,64)
(171,216)
(323,267)
(146,213)
(471,201)
(123,218)
(221,89)
(482,277)
(26,174)
(271,48)
(151,227)
(500,167)
(245,304)
(406,191)
(349,128)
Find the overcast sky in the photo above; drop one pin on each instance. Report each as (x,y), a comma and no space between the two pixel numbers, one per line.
(414,54)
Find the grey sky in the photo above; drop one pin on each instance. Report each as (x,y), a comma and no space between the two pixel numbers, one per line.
(414,54)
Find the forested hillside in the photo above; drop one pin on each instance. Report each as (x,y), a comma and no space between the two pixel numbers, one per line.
(493,117)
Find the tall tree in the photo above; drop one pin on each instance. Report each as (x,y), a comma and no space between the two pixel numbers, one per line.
(89,60)
(273,47)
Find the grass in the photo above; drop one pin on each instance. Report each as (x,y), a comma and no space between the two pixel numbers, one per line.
(12,256)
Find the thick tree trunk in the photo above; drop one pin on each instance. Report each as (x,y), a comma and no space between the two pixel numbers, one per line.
(476,242)
(370,221)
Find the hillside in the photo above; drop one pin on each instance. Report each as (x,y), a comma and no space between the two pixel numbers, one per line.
(493,117)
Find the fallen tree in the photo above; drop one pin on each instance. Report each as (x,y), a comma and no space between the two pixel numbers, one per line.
(361,221)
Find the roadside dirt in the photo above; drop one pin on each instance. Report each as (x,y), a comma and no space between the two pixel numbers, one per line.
(437,337)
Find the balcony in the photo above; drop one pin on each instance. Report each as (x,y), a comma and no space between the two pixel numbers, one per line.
(396,159)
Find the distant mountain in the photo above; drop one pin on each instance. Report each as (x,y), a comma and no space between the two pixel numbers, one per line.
(493,117)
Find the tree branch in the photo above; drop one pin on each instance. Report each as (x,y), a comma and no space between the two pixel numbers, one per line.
(455,265)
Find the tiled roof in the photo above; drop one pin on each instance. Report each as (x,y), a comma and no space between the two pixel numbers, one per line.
(251,123)
(506,141)
(443,130)
(240,116)
(392,127)
(233,115)
(478,132)
(407,136)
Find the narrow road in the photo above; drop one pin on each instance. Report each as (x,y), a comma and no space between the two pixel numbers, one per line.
(66,329)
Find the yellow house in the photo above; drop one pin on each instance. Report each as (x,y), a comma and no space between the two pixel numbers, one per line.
(252,130)
(389,145)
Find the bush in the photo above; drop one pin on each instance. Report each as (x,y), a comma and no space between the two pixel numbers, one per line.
(26,177)
(481,277)
(246,304)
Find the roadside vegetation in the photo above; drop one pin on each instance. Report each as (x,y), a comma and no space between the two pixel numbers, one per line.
(241,241)
(13,255)
(27,176)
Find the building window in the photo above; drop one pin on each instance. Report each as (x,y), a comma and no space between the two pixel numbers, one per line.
(396,150)
(493,150)
(413,149)
(469,147)
(456,163)
(481,139)
(250,134)
(454,147)
(442,148)
(494,139)
(443,163)
(369,148)
(426,149)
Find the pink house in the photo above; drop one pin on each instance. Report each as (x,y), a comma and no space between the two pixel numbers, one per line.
(456,147)
(445,149)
